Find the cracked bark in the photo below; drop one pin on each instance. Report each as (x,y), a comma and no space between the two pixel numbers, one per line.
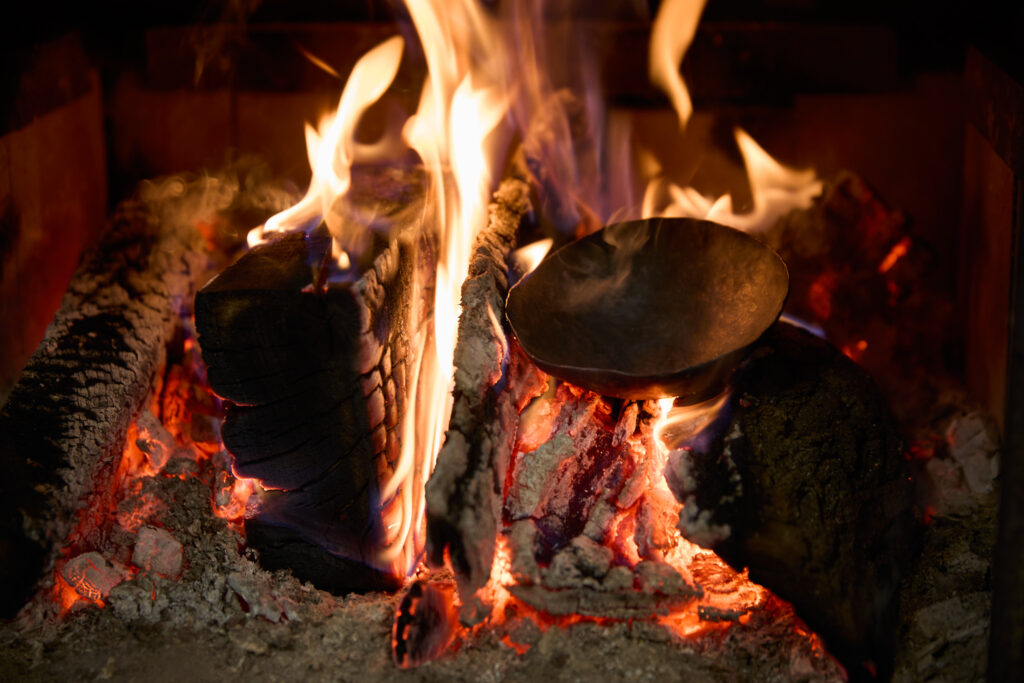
(64,424)
(317,382)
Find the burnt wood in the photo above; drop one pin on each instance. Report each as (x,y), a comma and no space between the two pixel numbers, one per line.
(317,379)
(464,493)
(808,487)
(63,426)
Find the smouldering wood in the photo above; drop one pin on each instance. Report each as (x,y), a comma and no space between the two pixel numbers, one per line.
(64,424)
(317,382)
(809,488)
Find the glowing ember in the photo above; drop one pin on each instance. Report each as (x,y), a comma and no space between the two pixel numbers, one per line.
(898,251)
(855,350)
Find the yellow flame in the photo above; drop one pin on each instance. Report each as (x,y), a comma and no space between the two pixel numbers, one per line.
(460,106)
(673,31)
(530,256)
(331,148)
(776,190)
(679,424)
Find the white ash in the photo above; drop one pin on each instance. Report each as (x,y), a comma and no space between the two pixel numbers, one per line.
(697,525)
(522,536)
(582,563)
(532,484)
(157,551)
(974,446)
(91,575)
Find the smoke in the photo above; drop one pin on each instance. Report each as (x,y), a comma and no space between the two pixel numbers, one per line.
(597,272)
(225,202)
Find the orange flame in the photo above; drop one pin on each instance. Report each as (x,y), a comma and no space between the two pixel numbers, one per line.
(332,151)
(530,256)
(673,31)
(460,106)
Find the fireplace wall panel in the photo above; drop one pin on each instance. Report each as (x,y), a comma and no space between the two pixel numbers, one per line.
(53,194)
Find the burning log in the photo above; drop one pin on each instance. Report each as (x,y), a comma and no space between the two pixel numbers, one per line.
(317,377)
(65,422)
(807,487)
(582,507)
(464,493)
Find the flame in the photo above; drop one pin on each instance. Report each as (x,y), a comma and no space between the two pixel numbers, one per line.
(460,106)
(678,426)
(673,31)
(733,592)
(529,257)
(776,190)
(332,148)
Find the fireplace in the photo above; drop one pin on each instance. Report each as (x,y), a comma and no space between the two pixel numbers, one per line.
(929,136)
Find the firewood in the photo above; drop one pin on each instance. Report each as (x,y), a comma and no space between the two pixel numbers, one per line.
(317,379)
(464,493)
(64,424)
(808,487)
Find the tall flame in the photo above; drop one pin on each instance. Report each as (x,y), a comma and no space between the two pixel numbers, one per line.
(460,106)
(674,28)
(776,189)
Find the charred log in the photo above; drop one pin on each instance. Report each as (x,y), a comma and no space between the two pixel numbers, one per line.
(425,623)
(64,424)
(464,493)
(808,488)
(317,378)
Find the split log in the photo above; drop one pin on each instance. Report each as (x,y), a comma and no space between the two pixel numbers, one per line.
(464,493)
(317,382)
(808,487)
(64,424)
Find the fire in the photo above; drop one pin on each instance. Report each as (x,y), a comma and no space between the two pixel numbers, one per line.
(484,79)
(529,257)
(776,191)
(673,31)
(459,109)
(332,150)
(731,592)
